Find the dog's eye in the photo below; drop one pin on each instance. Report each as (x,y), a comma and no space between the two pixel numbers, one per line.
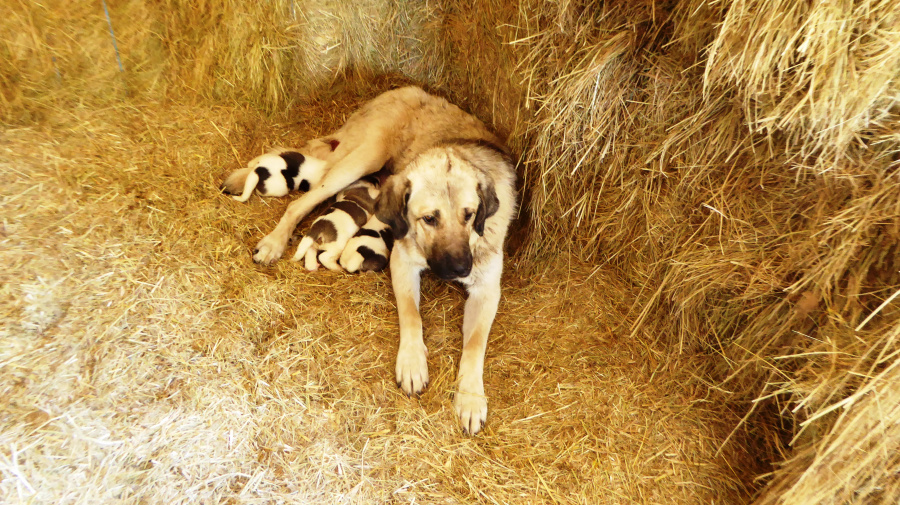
(469,215)
(429,220)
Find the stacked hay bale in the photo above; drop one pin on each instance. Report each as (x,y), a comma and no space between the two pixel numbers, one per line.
(739,162)
(736,161)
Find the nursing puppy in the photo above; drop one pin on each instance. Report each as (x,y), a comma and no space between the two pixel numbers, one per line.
(449,205)
(369,249)
(277,173)
(330,232)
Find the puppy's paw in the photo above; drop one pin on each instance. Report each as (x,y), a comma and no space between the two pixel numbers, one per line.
(269,249)
(351,262)
(330,262)
(472,411)
(412,369)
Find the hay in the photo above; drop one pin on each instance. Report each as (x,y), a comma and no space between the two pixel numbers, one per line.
(737,247)
(726,170)
(225,52)
(145,359)
(794,78)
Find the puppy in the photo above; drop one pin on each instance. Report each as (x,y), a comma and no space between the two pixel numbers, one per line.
(369,249)
(329,233)
(275,173)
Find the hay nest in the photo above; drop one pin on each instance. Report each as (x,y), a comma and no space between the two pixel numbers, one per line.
(146,359)
(716,182)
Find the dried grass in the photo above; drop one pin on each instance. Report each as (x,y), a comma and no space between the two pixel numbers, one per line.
(146,360)
(729,171)
(825,76)
(747,185)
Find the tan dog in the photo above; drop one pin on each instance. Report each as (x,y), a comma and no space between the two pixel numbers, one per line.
(449,210)
(449,205)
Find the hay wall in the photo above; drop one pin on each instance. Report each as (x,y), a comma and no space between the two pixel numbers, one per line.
(736,161)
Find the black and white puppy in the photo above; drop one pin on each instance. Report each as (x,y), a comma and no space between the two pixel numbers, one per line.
(276,173)
(369,249)
(330,232)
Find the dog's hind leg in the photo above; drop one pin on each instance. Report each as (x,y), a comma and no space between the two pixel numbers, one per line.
(249,185)
(481,308)
(305,244)
(366,159)
(235,182)
(310,261)
(328,259)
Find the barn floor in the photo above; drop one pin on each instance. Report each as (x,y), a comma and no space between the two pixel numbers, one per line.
(145,359)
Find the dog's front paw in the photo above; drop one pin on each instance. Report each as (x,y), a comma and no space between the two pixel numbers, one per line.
(269,249)
(412,368)
(471,407)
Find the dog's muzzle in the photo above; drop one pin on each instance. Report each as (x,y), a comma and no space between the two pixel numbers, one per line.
(452,266)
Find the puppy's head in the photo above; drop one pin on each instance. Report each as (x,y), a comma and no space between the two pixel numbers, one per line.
(439,203)
(307,166)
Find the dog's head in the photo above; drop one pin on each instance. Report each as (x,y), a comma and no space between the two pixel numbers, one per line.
(440,203)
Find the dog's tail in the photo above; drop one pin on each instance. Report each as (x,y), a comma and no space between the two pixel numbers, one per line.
(236,182)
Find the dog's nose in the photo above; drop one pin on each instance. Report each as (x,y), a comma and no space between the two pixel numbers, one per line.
(450,266)
(461,268)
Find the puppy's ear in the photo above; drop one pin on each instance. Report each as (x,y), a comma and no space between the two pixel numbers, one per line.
(488,204)
(391,205)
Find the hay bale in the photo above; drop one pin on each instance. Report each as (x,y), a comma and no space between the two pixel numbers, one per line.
(738,247)
(823,75)
(267,54)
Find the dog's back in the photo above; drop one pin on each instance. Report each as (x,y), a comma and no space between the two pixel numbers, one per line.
(409,121)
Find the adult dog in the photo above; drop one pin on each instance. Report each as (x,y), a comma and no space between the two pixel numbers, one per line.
(449,202)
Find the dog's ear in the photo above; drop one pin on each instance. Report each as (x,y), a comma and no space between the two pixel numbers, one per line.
(488,204)
(391,205)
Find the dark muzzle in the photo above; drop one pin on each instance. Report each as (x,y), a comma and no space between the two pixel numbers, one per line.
(449,266)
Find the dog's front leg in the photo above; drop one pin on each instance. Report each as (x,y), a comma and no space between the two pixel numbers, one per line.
(412,366)
(481,308)
(272,246)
